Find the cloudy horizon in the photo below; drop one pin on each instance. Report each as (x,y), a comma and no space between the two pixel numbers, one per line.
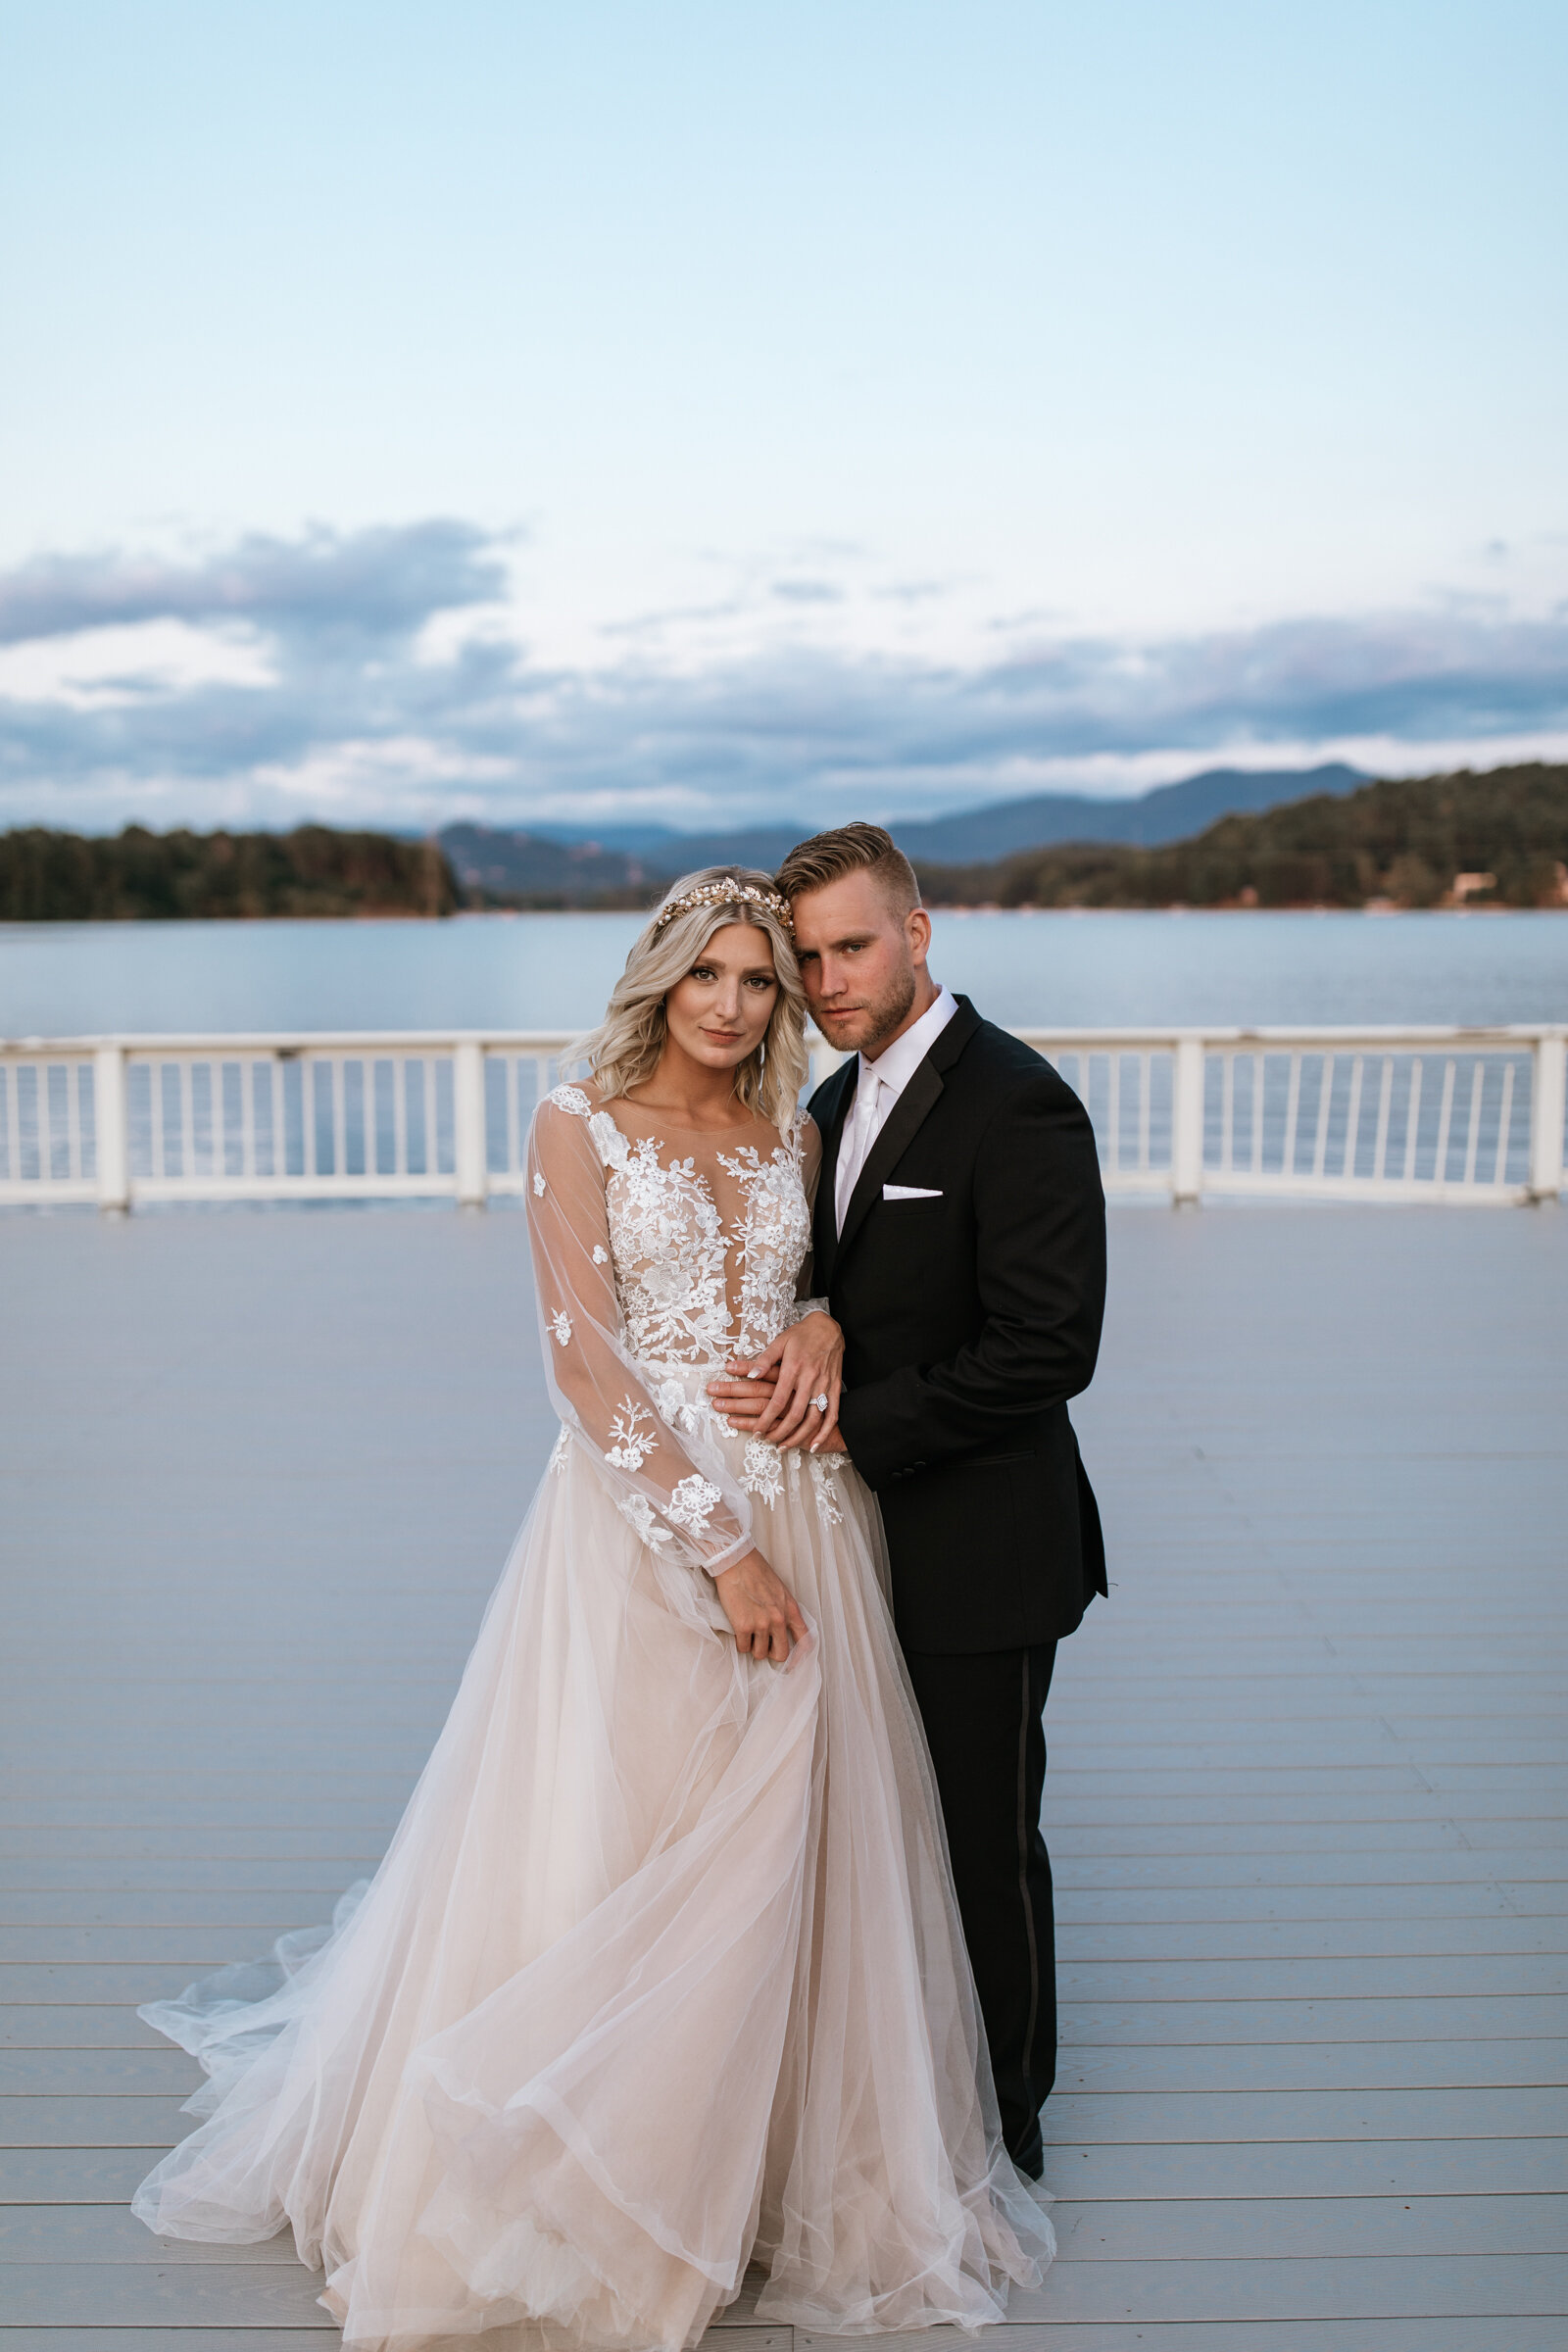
(710,418)
(384,676)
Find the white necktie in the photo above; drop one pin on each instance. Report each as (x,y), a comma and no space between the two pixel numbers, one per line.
(859,1142)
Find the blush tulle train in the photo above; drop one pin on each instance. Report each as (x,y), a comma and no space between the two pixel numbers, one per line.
(661,1976)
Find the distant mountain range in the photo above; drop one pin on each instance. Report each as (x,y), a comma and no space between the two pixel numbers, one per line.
(1462,840)
(619,861)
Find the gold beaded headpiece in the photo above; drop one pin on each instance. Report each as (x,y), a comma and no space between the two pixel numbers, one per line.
(727,893)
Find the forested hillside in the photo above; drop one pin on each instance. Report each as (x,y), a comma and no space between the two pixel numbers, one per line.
(1494,840)
(70,877)
(1499,839)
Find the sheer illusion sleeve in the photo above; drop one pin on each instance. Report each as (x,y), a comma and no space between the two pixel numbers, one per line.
(673,1490)
(809,1146)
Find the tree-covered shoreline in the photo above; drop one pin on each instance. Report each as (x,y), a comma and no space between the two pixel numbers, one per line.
(141,876)
(1498,839)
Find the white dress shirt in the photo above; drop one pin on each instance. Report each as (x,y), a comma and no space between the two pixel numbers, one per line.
(878,1086)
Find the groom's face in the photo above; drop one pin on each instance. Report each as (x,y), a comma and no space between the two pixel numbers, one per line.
(861,960)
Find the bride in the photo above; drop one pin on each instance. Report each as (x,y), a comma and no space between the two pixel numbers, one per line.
(662,1974)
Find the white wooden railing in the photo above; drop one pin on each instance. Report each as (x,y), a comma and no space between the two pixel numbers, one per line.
(1374,1114)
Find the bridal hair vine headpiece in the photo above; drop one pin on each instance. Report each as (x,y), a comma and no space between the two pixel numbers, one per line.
(725,894)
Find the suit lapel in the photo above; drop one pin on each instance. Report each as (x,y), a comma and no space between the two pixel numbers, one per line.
(904,1121)
(825,1235)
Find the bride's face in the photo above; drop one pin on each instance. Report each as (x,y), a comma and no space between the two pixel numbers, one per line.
(719,1012)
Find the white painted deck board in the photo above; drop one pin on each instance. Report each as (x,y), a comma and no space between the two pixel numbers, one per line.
(1167,2064)
(1344,1946)
(1176,2230)
(46,1928)
(1307,1768)
(83,2026)
(1282,2287)
(240,1894)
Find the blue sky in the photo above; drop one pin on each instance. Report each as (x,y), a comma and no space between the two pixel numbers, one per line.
(699,412)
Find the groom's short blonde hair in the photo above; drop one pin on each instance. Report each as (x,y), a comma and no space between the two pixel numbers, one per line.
(850,850)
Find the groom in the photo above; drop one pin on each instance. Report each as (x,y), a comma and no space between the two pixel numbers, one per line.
(961,1240)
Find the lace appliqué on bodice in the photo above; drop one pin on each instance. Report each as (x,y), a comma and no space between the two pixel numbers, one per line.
(695,1289)
(770,1243)
(702,1260)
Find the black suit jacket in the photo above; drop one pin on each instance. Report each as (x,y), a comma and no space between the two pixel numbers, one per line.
(969,1320)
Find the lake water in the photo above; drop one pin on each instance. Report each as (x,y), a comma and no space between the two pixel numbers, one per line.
(550,971)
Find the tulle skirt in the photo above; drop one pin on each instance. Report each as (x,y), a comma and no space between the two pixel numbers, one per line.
(661,1976)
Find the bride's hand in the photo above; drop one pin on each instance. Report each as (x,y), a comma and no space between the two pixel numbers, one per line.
(803,1363)
(761,1609)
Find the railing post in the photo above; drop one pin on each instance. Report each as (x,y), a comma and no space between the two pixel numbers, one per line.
(109,1130)
(1187,1123)
(1546,1109)
(467,1123)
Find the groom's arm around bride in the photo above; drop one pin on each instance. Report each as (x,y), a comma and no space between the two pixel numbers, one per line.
(959,1240)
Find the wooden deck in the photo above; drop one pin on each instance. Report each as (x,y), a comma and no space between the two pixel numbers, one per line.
(258,1473)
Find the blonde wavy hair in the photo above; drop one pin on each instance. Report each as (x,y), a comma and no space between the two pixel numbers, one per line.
(627,1046)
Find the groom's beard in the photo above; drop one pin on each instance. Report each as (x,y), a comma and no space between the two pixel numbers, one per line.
(883,1015)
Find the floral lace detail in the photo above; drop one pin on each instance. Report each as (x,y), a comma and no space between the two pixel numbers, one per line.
(556,1464)
(762,1470)
(656,1269)
(572,1098)
(667,1241)
(634,1444)
(693,1504)
(773,1240)
(675,1407)
(538,1186)
(671,1250)
(640,1512)
(824,1469)
(765,1472)
(614,1149)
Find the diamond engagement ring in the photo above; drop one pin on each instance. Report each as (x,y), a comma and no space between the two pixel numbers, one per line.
(821,1403)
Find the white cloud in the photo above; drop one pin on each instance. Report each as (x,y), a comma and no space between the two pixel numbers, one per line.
(383,677)
(95,669)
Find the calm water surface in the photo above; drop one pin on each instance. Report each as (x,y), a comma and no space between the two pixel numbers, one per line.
(551,971)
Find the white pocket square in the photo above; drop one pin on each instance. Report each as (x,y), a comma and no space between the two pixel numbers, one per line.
(909,1192)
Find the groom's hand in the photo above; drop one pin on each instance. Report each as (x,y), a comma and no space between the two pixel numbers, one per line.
(742,1402)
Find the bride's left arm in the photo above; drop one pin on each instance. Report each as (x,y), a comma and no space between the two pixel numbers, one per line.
(773,1394)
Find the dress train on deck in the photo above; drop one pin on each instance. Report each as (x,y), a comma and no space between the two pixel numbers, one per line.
(662,1974)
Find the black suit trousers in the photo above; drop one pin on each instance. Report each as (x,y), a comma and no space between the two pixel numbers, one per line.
(984,1722)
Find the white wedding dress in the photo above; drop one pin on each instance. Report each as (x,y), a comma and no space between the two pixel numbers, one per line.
(662,1974)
